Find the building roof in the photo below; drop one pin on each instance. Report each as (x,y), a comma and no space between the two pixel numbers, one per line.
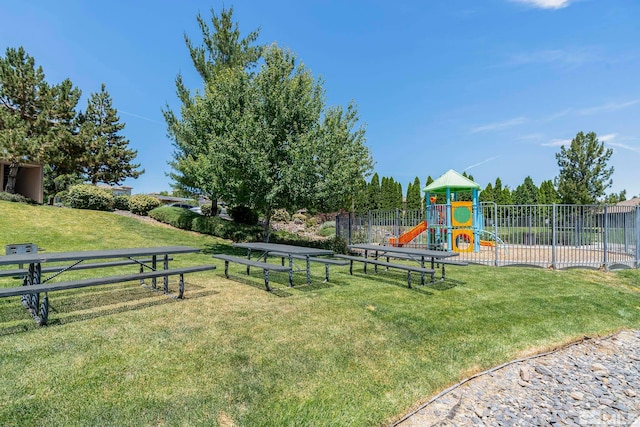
(631,202)
(453,181)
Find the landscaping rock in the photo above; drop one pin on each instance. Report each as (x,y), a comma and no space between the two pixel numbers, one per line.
(595,382)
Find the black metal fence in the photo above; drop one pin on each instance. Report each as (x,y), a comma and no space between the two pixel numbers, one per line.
(550,236)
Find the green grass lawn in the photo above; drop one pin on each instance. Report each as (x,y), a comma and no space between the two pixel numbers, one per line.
(360,350)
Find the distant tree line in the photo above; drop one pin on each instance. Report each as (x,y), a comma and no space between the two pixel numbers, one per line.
(583,179)
(40,123)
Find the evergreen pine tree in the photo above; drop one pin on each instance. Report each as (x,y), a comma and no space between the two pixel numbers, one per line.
(414,195)
(399,199)
(108,158)
(374,192)
(487,194)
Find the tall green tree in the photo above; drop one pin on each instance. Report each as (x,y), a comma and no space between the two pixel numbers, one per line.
(375,192)
(386,193)
(614,198)
(344,162)
(506,197)
(224,62)
(108,158)
(414,195)
(526,193)
(547,194)
(584,174)
(361,198)
(487,195)
(26,104)
(266,140)
(398,199)
(64,158)
(298,145)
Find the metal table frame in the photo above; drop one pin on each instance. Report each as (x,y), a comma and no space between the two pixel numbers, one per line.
(420,254)
(35,261)
(290,250)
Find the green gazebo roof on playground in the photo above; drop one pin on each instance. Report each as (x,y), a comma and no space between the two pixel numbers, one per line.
(453,181)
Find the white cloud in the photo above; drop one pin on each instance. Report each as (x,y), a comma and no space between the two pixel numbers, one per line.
(546,4)
(499,125)
(606,108)
(557,142)
(481,163)
(141,117)
(607,138)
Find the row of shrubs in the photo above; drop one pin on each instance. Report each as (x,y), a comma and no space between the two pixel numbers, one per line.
(243,228)
(19,198)
(85,196)
(236,231)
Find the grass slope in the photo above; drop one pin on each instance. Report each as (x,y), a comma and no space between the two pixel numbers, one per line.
(360,350)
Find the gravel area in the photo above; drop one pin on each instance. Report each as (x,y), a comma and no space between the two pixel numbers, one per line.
(595,382)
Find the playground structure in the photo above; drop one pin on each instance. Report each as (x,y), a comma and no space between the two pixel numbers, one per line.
(456,225)
(547,236)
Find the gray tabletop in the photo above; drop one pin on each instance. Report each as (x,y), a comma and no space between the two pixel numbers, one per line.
(93,254)
(407,251)
(288,249)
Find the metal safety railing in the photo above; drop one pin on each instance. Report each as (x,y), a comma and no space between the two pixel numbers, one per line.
(550,236)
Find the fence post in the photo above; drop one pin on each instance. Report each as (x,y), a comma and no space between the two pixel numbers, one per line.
(350,226)
(637,236)
(370,226)
(396,225)
(625,216)
(495,232)
(554,236)
(605,237)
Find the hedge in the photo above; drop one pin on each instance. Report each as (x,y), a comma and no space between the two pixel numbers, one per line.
(141,204)
(177,217)
(87,196)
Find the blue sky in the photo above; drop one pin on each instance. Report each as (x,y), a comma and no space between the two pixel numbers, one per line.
(493,87)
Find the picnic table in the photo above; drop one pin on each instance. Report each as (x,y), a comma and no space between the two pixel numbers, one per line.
(33,283)
(416,254)
(289,251)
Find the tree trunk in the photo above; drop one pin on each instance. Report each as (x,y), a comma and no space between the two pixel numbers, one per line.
(214,206)
(267,226)
(11,180)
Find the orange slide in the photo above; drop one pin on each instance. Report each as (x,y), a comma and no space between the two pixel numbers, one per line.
(409,235)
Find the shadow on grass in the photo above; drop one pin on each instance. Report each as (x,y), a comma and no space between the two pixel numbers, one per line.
(256,280)
(90,304)
(281,287)
(219,248)
(443,285)
(386,278)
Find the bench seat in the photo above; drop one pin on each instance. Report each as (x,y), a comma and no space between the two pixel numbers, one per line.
(434,261)
(32,292)
(59,268)
(408,268)
(325,261)
(266,267)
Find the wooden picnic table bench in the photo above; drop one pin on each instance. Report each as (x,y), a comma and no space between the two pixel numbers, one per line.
(408,268)
(265,266)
